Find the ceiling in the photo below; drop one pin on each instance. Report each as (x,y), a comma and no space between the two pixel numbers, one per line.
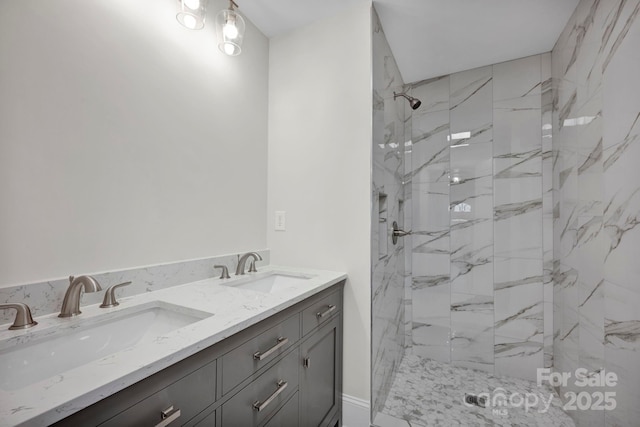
(431,38)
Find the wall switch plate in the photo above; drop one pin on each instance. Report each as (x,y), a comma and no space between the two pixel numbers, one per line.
(281,217)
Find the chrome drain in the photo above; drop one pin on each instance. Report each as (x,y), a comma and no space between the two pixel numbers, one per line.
(472,399)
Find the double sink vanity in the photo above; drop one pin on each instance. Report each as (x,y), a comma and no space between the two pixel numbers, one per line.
(259,349)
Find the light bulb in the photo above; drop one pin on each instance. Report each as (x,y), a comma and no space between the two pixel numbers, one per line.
(189,21)
(230,30)
(192,4)
(229,49)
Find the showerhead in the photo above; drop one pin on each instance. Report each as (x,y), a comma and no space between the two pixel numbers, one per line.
(413,102)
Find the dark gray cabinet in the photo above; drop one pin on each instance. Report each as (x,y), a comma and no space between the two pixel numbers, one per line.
(260,400)
(288,415)
(250,357)
(320,384)
(177,403)
(320,310)
(284,371)
(210,420)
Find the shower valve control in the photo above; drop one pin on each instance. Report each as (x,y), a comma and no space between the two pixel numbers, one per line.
(397,232)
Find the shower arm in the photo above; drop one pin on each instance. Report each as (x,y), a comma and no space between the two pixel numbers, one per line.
(413,102)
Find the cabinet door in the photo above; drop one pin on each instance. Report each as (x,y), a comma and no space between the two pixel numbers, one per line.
(320,373)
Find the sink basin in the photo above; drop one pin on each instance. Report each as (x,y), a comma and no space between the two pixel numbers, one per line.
(62,349)
(270,283)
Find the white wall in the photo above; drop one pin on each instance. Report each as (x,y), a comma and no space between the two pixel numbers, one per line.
(320,113)
(125,139)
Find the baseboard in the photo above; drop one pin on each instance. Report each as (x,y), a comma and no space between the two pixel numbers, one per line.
(355,412)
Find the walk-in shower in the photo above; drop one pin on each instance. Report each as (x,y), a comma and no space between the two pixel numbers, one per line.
(514,181)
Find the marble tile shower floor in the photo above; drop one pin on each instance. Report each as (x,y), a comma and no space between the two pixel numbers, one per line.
(427,393)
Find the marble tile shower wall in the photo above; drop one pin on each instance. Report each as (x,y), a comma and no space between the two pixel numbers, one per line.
(46,297)
(408,239)
(387,259)
(596,181)
(482,218)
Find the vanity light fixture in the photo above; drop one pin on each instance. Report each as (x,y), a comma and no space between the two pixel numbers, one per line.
(230,30)
(191,13)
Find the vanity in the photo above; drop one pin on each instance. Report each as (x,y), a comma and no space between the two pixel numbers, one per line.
(263,350)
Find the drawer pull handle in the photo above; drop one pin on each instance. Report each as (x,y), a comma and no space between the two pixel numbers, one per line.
(168,416)
(328,311)
(280,342)
(257,406)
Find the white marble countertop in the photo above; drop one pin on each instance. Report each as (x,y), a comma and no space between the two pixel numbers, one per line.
(232,310)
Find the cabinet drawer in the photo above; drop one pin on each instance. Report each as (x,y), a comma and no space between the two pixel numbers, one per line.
(243,361)
(320,312)
(287,416)
(268,391)
(208,421)
(189,395)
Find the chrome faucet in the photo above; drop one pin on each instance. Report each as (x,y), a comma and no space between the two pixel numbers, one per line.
(243,260)
(23,318)
(71,302)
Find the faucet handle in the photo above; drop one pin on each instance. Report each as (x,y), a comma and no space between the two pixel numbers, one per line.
(110,296)
(23,318)
(252,266)
(225,271)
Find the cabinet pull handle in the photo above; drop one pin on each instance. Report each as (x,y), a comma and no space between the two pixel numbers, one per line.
(331,308)
(257,406)
(306,362)
(280,342)
(168,416)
